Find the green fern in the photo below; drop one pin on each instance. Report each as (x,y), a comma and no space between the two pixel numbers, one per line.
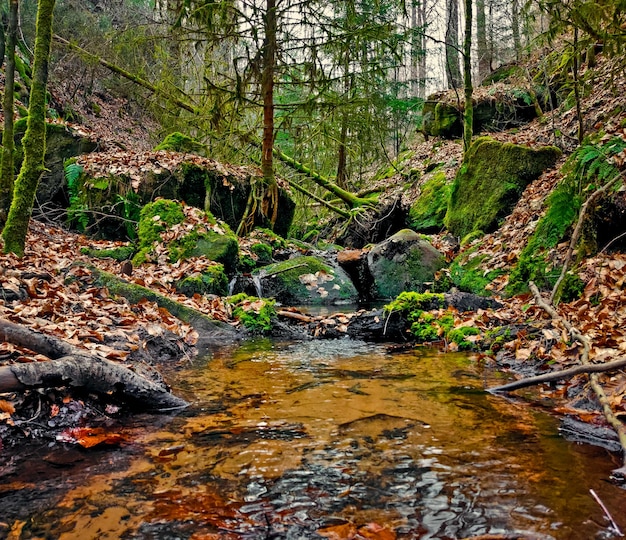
(77,210)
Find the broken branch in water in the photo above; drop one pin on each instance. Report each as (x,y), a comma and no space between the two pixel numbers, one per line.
(606,513)
(594,382)
(560,375)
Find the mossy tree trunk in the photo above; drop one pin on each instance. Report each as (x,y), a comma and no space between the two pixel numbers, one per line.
(34,142)
(7,166)
(468,121)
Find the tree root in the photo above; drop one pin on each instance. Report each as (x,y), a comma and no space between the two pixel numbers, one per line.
(71,366)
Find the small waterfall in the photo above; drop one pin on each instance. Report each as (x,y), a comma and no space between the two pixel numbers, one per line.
(231,285)
(256,280)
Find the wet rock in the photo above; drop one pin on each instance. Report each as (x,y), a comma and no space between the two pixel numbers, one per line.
(306,280)
(403,262)
(376,325)
(583,432)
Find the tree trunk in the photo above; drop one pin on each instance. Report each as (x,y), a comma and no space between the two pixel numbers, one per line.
(484,57)
(71,366)
(34,142)
(7,166)
(515,29)
(468,118)
(267,91)
(453,68)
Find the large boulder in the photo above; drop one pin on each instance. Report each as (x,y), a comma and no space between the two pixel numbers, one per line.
(171,231)
(305,280)
(490,182)
(403,262)
(118,184)
(501,107)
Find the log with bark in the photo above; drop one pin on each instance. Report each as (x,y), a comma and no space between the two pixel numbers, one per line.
(71,366)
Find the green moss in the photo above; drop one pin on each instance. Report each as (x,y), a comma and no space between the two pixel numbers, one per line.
(427,327)
(428,211)
(255,314)
(212,281)
(263,253)
(458,335)
(409,301)
(490,182)
(563,206)
(156,217)
(121,253)
(468,274)
(571,289)
(177,142)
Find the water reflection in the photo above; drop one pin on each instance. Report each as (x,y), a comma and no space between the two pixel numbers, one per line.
(342,439)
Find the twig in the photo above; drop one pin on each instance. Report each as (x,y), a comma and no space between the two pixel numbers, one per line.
(606,513)
(558,375)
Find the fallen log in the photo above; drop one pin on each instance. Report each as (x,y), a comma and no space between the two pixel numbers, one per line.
(559,375)
(72,367)
(209,330)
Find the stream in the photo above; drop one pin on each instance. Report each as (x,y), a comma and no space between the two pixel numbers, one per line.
(325,439)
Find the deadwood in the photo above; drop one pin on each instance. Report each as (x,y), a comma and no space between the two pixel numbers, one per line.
(70,366)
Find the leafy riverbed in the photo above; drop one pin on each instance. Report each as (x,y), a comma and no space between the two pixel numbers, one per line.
(336,439)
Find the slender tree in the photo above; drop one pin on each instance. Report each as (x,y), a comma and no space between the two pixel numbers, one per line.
(34,142)
(483,50)
(453,67)
(468,125)
(7,165)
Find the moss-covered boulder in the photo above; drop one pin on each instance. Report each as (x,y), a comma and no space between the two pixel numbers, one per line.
(114,184)
(502,107)
(429,209)
(491,181)
(212,280)
(174,231)
(305,280)
(178,142)
(441,119)
(403,262)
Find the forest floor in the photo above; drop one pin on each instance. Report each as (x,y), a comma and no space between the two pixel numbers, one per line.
(52,289)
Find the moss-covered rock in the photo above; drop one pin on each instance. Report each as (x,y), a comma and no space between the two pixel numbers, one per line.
(120,253)
(490,182)
(212,280)
(223,190)
(441,119)
(162,232)
(403,262)
(305,280)
(427,212)
(178,142)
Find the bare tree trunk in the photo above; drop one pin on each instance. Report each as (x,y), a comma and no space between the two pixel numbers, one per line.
(515,30)
(453,67)
(34,142)
(484,57)
(468,118)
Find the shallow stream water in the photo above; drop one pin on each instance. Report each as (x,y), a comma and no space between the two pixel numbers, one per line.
(326,439)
